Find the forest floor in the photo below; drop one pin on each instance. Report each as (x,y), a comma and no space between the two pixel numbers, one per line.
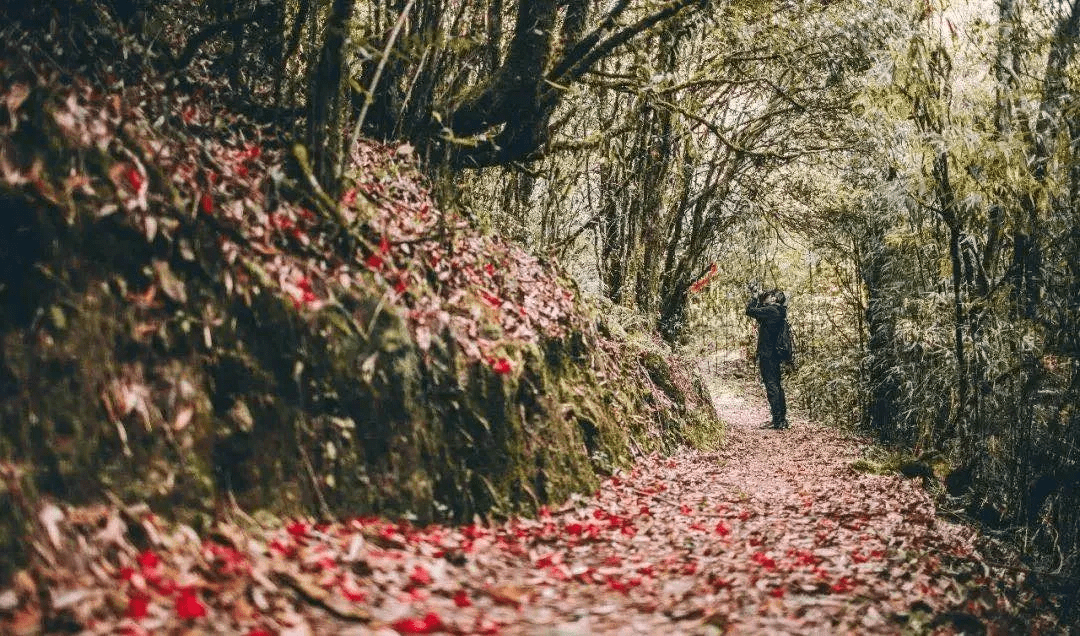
(774,534)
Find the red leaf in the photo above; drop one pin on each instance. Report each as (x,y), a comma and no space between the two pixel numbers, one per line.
(148,560)
(188,605)
(351,591)
(374,261)
(138,606)
(500,365)
(384,246)
(777,592)
(125,573)
(764,561)
(420,576)
(491,299)
(845,584)
(461,599)
(135,178)
(206,203)
(298,529)
(281,221)
(722,529)
(256,631)
(400,286)
(429,624)
(165,587)
(349,198)
(282,548)
(228,560)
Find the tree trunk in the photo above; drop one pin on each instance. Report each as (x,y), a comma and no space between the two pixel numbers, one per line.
(326,134)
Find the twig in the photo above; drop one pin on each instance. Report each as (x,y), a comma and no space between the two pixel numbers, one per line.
(369,96)
(324,509)
(317,596)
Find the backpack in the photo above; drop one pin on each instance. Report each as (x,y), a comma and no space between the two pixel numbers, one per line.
(785,344)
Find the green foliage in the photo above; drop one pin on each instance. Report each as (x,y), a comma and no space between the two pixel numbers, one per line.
(960,244)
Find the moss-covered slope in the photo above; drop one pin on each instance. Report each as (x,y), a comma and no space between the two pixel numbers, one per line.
(186,318)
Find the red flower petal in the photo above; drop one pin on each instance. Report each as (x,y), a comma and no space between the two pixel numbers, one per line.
(298,529)
(164,587)
(148,560)
(500,365)
(461,599)
(384,246)
(764,561)
(188,605)
(374,262)
(845,584)
(351,591)
(206,203)
(429,624)
(420,576)
(135,178)
(138,606)
(722,529)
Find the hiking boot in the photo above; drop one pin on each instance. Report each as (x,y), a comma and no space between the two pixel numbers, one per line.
(781,425)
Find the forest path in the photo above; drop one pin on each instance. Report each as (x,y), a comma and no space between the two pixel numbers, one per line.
(774,534)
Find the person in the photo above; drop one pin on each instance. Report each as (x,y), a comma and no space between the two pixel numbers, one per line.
(770,311)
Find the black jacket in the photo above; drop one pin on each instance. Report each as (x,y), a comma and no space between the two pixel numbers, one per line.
(770,320)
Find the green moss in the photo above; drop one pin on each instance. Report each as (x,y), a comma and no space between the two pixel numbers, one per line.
(182,399)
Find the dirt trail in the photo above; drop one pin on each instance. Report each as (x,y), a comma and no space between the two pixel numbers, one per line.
(775,534)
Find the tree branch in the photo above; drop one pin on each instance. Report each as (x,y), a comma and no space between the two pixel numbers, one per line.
(211,31)
(578,68)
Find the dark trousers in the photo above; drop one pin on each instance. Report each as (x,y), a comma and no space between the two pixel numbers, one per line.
(774,390)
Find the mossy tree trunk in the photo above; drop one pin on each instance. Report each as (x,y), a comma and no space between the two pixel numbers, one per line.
(325,133)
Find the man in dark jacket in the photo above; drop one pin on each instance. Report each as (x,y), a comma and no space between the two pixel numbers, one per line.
(770,312)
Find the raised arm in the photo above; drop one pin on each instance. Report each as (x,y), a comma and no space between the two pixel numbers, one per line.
(764,313)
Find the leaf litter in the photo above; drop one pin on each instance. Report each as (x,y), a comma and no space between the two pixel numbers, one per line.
(773,534)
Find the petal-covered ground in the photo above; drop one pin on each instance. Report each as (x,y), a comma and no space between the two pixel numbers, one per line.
(775,534)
